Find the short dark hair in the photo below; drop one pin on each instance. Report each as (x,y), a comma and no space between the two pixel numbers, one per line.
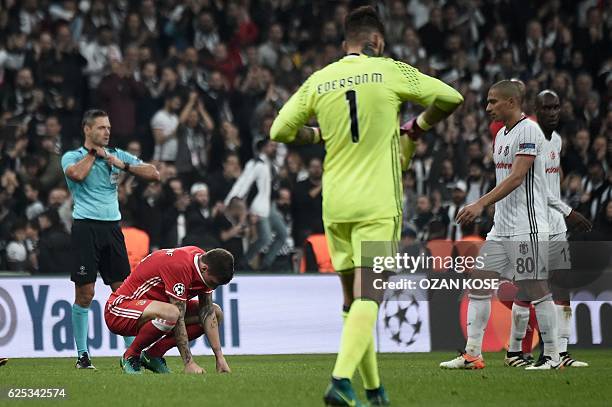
(362,21)
(91,115)
(510,89)
(220,264)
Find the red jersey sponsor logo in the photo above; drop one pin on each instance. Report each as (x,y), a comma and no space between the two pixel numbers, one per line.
(553,170)
(505,166)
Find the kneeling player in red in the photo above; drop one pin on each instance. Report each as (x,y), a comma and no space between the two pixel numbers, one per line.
(155,304)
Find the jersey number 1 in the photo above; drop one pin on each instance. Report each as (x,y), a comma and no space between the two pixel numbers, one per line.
(351,98)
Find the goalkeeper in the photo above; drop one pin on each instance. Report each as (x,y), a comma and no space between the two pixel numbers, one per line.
(356,101)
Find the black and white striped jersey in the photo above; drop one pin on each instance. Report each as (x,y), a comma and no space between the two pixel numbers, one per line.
(552,168)
(525,209)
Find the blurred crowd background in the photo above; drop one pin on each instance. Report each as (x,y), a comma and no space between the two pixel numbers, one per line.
(193,86)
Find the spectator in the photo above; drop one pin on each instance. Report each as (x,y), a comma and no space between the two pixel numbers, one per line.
(51,175)
(19,101)
(233,228)
(54,247)
(458,202)
(16,249)
(200,217)
(221,182)
(164,124)
(133,32)
(174,223)
(259,172)
(307,211)
(597,188)
(577,156)
(271,50)
(99,52)
(193,137)
(477,184)
(410,49)
(206,35)
(149,211)
(423,216)
(603,223)
(446,182)
(409,202)
(118,93)
(34,206)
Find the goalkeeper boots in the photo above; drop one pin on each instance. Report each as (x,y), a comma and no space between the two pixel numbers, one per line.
(378,397)
(340,393)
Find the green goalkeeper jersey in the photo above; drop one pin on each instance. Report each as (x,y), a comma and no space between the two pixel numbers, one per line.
(356,101)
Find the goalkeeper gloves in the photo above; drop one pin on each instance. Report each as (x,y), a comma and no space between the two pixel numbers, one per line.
(415,127)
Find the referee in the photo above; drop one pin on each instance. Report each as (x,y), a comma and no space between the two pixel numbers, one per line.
(91,173)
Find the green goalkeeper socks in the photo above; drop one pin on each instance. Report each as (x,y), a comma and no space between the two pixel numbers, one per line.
(368,367)
(356,337)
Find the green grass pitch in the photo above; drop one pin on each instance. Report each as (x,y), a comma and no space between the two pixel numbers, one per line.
(299,380)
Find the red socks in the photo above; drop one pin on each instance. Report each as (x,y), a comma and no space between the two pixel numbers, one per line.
(168,342)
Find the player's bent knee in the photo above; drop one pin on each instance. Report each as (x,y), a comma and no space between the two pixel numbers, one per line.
(171,313)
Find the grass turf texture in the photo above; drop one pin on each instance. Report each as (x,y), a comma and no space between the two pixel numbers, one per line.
(299,380)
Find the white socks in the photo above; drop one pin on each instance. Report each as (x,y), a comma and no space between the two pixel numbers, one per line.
(479,309)
(564,317)
(547,321)
(520,319)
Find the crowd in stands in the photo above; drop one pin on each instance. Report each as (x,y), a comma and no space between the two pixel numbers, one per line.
(193,86)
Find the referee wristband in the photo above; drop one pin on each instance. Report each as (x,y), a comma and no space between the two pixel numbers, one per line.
(423,125)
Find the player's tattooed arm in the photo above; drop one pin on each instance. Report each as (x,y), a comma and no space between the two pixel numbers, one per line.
(180,332)
(307,135)
(206,307)
(210,316)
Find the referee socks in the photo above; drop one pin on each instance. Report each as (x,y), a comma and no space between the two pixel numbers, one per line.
(80,326)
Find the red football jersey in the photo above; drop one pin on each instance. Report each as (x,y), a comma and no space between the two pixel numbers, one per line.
(165,273)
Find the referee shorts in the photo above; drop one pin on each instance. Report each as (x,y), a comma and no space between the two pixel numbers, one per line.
(98,246)
(345,239)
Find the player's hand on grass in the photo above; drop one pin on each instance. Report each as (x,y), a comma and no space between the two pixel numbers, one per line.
(193,368)
(469,213)
(578,222)
(222,366)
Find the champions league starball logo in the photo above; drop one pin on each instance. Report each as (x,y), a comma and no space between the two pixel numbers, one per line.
(401,317)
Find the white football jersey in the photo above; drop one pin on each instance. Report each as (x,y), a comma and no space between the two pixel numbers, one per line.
(552,168)
(524,210)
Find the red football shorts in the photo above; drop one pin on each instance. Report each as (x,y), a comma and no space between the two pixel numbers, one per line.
(122,316)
